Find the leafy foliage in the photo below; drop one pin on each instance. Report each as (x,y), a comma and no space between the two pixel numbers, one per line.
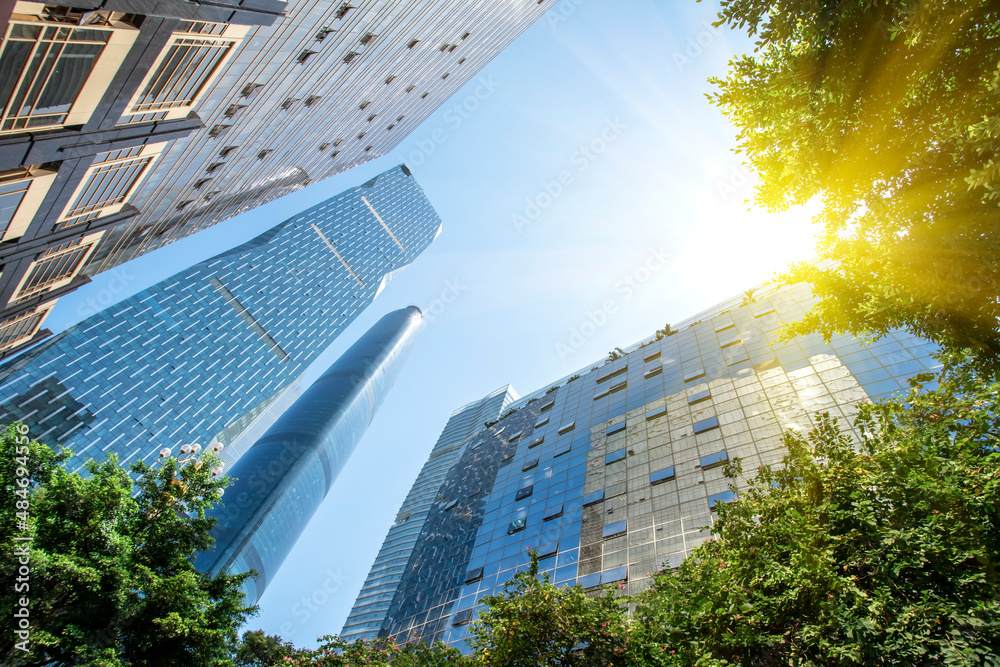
(380,652)
(257,649)
(889,112)
(887,553)
(111,576)
(532,622)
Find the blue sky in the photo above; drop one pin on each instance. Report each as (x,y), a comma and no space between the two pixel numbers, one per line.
(583,177)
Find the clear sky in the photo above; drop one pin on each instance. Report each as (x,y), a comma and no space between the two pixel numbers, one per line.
(582,177)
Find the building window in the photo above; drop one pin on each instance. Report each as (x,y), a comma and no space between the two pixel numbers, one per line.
(661,475)
(656,412)
(219,130)
(21,191)
(553,512)
(56,267)
(367,38)
(186,68)
(714,460)
(21,328)
(413,43)
(251,89)
(351,56)
(613,457)
(55,73)
(706,425)
(694,399)
(342,12)
(721,498)
(109,183)
(616,528)
(695,375)
(548,550)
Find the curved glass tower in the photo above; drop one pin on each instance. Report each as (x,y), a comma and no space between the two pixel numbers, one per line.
(197,356)
(283,478)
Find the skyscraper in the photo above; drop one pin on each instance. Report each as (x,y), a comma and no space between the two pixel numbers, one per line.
(128,124)
(184,359)
(614,471)
(365,619)
(283,478)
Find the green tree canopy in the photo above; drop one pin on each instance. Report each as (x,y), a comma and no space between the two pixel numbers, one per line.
(889,112)
(111,576)
(533,622)
(885,552)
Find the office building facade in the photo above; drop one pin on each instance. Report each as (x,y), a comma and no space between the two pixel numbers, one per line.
(128,124)
(183,360)
(614,471)
(368,613)
(283,478)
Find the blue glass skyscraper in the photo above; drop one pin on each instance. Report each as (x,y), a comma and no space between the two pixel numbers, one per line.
(365,619)
(184,359)
(614,471)
(283,478)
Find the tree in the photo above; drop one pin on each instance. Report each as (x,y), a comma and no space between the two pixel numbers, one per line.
(664,332)
(111,576)
(532,622)
(379,652)
(883,552)
(257,649)
(889,112)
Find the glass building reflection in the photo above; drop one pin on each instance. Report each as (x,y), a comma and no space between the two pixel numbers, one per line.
(281,481)
(373,601)
(614,471)
(202,354)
